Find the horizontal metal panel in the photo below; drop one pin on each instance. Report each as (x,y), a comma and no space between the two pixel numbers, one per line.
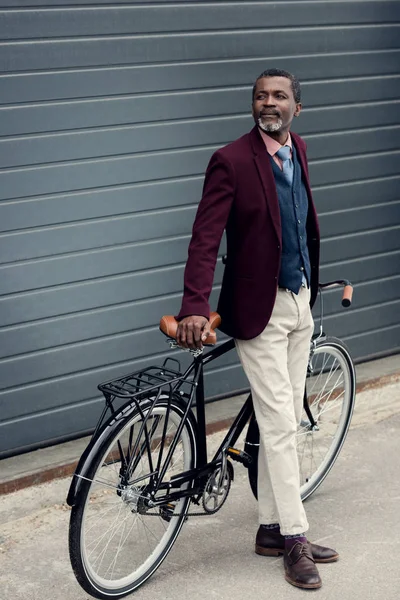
(79,357)
(121,20)
(374,343)
(48,428)
(349,143)
(360,244)
(354,322)
(137,79)
(51,148)
(18,56)
(49,241)
(81,296)
(22,4)
(78,3)
(86,295)
(39,304)
(83,266)
(76,114)
(81,175)
(98,203)
(59,392)
(340,170)
(74,328)
(364,269)
(103,202)
(335,118)
(22,151)
(359,219)
(226,379)
(354,194)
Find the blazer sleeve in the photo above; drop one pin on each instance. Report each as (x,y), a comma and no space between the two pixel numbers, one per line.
(211,219)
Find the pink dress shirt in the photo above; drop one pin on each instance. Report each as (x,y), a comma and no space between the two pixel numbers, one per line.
(273,146)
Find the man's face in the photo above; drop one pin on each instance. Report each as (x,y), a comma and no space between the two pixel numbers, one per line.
(274,106)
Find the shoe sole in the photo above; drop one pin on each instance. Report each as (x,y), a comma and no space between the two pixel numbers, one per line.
(304,586)
(262,551)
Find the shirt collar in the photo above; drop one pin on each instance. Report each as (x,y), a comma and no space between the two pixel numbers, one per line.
(272,145)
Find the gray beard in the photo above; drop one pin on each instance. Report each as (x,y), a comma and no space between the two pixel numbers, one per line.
(270,127)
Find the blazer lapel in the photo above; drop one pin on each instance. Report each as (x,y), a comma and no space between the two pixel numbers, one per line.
(261,159)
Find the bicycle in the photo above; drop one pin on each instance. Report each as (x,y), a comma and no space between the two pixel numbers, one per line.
(147,461)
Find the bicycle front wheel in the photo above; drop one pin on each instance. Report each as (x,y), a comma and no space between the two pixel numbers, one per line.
(117,540)
(330,386)
(330,390)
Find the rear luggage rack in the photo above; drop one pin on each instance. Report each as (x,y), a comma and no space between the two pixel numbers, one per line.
(141,381)
(152,382)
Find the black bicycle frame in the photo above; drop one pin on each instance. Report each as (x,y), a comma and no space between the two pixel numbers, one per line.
(203,468)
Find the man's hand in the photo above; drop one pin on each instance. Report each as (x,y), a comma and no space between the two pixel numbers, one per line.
(192,332)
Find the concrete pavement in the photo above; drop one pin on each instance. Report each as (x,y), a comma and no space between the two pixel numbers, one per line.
(356,510)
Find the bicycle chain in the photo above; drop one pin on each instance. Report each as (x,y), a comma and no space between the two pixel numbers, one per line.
(195,514)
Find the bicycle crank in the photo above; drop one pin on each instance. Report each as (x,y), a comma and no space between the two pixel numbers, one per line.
(217,487)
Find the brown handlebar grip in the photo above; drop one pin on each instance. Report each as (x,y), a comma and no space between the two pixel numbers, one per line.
(347,295)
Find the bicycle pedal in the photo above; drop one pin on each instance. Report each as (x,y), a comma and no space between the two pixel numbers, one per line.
(239,456)
(167,511)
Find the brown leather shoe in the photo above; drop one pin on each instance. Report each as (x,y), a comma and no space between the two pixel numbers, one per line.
(300,569)
(273,544)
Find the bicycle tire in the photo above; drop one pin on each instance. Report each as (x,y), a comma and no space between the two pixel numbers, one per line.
(327,353)
(111,543)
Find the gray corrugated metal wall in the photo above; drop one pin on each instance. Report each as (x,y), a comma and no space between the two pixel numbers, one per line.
(109,115)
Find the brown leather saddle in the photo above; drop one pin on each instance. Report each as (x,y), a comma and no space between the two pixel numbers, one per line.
(169,326)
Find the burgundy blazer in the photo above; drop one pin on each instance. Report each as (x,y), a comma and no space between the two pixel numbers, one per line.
(239,195)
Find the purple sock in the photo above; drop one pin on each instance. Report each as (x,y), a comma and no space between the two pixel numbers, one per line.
(292,540)
(273,528)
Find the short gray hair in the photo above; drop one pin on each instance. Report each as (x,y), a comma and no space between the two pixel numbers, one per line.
(295,83)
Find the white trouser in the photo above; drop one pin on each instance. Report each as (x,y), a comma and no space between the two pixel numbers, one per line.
(275,363)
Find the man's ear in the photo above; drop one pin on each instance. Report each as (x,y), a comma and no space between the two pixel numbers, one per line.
(298,109)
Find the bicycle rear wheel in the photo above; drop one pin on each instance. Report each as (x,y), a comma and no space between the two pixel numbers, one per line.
(330,389)
(117,540)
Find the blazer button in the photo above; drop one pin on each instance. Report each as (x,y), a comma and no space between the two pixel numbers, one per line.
(278,247)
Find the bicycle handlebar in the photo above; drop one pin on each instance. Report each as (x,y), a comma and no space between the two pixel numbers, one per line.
(347,292)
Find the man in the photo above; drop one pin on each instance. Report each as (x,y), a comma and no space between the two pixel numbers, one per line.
(257,188)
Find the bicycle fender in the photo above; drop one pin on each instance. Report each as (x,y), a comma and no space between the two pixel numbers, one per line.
(82,469)
(95,445)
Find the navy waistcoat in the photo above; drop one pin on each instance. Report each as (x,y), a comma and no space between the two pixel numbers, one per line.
(293,205)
